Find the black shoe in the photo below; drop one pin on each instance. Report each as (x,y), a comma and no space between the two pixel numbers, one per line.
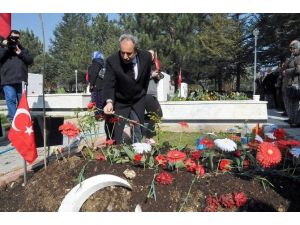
(283,114)
(287,121)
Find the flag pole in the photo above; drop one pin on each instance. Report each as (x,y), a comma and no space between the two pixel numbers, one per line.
(180,83)
(43,88)
(25,173)
(24,88)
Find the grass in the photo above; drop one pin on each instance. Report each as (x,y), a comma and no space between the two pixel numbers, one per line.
(174,138)
(5,122)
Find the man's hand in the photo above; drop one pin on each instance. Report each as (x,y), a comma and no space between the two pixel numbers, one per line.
(4,42)
(109,108)
(155,74)
(18,50)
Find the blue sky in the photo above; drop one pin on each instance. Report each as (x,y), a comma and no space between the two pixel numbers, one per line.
(21,21)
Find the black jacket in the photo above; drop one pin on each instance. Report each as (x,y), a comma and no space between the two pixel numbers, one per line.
(96,83)
(125,91)
(13,67)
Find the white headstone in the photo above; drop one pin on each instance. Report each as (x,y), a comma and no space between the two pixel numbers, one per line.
(163,87)
(183,90)
(35,84)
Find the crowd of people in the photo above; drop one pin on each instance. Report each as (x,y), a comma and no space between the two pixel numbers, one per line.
(281,88)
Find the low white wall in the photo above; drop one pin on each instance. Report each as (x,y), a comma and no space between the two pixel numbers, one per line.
(59,101)
(215,110)
(191,111)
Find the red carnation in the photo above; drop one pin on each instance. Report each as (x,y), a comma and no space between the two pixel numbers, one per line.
(294,142)
(287,143)
(161,160)
(268,154)
(100,157)
(137,158)
(109,142)
(227,200)
(196,155)
(164,178)
(184,124)
(114,120)
(176,156)
(224,165)
(240,199)
(237,153)
(91,105)
(69,129)
(190,165)
(100,117)
(246,164)
(207,142)
(212,204)
(279,133)
(199,170)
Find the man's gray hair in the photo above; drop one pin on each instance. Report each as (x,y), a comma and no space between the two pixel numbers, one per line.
(129,37)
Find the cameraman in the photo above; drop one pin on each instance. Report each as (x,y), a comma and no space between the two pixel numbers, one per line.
(14,61)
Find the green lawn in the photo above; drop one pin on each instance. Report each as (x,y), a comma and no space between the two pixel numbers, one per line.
(179,138)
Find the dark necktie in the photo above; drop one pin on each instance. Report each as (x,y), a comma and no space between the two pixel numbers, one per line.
(130,70)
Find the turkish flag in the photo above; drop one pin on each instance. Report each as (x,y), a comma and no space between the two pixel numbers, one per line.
(5,24)
(21,132)
(157,63)
(179,78)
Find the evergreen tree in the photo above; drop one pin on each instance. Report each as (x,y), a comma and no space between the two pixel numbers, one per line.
(34,46)
(71,48)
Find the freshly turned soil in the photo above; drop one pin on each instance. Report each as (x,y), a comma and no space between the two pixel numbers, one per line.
(46,189)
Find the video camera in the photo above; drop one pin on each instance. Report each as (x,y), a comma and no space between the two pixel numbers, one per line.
(12,43)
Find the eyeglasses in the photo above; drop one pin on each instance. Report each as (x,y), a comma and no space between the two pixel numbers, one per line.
(292,48)
(14,38)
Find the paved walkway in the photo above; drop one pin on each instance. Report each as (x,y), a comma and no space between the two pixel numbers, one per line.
(11,163)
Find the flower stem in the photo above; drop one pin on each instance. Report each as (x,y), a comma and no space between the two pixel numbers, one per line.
(69,148)
(187,196)
(152,186)
(295,167)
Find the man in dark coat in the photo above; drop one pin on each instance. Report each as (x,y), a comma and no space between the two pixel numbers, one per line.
(126,82)
(14,61)
(292,73)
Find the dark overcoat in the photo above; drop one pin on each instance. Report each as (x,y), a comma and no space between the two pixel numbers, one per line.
(126,92)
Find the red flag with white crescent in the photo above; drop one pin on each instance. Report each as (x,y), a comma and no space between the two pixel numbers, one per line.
(157,63)
(179,78)
(21,132)
(5,24)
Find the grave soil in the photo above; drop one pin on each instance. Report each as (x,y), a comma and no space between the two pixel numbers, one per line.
(46,189)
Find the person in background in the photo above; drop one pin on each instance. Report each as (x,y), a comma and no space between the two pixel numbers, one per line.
(152,104)
(259,86)
(14,61)
(126,82)
(95,78)
(292,73)
(269,88)
(278,86)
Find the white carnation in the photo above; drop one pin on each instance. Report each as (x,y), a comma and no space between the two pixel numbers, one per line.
(270,135)
(295,152)
(226,145)
(258,138)
(141,148)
